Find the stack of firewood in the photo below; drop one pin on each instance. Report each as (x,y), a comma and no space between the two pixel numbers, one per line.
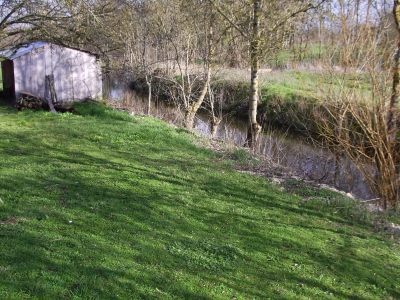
(29,101)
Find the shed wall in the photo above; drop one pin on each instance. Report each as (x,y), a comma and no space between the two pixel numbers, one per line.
(77,75)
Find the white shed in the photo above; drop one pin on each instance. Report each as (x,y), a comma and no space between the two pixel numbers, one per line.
(76,74)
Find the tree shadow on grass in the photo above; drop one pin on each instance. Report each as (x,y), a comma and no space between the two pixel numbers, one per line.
(131,236)
(39,268)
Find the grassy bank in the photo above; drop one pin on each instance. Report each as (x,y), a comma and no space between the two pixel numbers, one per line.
(107,206)
(289,98)
(286,97)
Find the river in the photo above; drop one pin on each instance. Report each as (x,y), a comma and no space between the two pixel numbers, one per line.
(276,145)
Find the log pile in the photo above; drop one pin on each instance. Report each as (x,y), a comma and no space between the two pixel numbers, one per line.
(29,101)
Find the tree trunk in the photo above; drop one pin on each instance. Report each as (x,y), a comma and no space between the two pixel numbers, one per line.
(214,127)
(192,108)
(393,113)
(189,119)
(106,81)
(392,117)
(148,81)
(254,128)
(52,96)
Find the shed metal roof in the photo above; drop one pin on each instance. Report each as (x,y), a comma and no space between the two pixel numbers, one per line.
(13,54)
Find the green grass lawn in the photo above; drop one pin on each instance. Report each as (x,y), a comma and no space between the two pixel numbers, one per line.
(108,206)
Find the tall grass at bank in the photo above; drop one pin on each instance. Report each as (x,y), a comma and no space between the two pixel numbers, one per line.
(103,205)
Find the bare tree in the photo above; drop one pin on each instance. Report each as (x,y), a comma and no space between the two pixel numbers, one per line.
(141,46)
(21,19)
(183,32)
(358,119)
(268,28)
(392,118)
(92,26)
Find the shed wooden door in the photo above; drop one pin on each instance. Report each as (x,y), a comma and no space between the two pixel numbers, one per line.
(7,67)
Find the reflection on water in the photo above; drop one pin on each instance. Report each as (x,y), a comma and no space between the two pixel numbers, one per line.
(309,162)
(113,89)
